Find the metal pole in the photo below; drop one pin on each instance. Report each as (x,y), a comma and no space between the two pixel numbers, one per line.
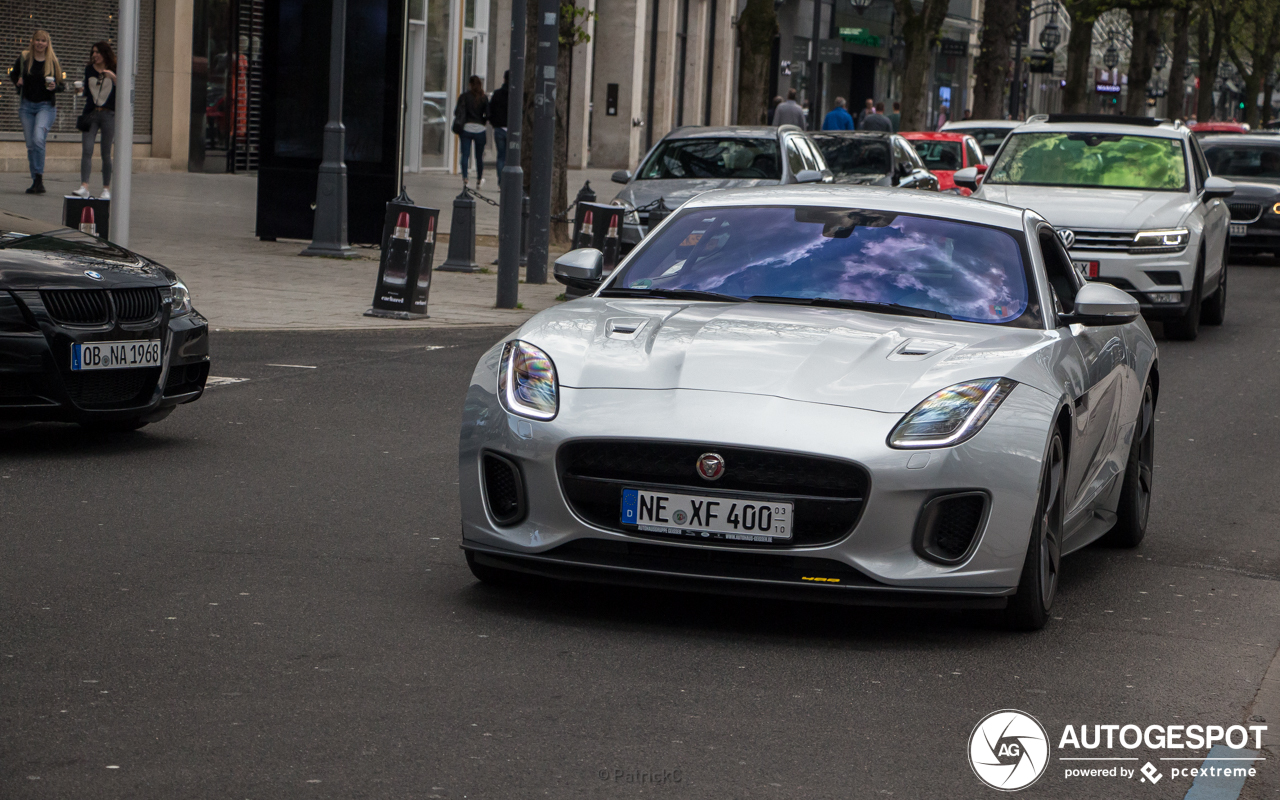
(329,235)
(544,134)
(815,102)
(512,177)
(126,79)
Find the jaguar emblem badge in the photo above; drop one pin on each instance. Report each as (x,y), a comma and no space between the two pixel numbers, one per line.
(1068,237)
(711,466)
(97,276)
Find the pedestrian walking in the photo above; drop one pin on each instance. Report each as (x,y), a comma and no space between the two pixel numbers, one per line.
(944,115)
(469,118)
(38,77)
(99,115)
(789,112)
(773,106)
(868,108)
(498,119)
(896,117)
(877,121)
(838,118)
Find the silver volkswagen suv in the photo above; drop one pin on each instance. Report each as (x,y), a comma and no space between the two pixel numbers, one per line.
(1134,202)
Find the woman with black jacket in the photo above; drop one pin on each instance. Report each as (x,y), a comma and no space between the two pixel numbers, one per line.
(471,114)
(38,77)
(100,108)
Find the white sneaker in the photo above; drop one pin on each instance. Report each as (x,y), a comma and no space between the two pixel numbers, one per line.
(482,183)
(83,191)
(106,194)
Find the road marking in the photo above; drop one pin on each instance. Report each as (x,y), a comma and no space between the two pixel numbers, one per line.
(213,381)
(291,366)
(1219,787)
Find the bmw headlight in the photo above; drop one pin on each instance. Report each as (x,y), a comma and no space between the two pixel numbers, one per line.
(527,382)
(952,415)
(179,299)
(1162,241)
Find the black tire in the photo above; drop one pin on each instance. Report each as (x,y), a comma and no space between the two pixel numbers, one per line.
(1187,327)
(1135,493)
(1213,311)
(1028,609)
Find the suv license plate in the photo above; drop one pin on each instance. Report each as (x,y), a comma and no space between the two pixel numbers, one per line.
(1239,230)
(1089,269)
(707,517)
(115,355)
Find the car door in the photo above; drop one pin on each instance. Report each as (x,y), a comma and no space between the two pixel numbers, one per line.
(1099,381)
(1217,218)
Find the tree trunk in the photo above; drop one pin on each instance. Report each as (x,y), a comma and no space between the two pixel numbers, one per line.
(991,68)
(1214,27)
(756,28)
(530,86)
(1146,38)
(1176,96)
(560,159)
(919,31)
(1078,91)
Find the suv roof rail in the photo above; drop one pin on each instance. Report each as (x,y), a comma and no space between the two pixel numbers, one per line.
(1037,118)
(1105,119)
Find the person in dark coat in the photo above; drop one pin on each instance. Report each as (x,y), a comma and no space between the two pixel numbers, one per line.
(473,112)
(498,119)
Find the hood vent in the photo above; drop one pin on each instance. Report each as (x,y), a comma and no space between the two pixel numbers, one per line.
(918,349)
(624,327)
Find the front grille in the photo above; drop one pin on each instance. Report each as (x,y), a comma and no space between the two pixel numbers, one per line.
(948,526)
(1103,240)
(77,306)
(1245,212)
(828,493)
(503,489)
(108,388)
(136,305)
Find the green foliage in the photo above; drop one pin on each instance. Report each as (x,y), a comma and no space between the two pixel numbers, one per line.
(573,24)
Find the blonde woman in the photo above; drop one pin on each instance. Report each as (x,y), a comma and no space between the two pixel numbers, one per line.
(38,77)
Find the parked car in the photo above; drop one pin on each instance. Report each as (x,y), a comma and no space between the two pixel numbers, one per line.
(846,394)
(91,332)
(691,160)
(872,158)
(1252,163)
(1203,129)
(990,133)
(944,153)
(1134,202)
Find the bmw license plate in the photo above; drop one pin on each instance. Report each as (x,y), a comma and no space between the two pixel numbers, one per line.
(115,355)
(1239,230)
(707,517)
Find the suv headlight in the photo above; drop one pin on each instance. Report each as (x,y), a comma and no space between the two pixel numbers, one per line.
(1162,241)
(951,416)
(527,384)
(179,299)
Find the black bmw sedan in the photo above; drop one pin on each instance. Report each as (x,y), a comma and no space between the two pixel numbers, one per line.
(1252,163)
(92,333)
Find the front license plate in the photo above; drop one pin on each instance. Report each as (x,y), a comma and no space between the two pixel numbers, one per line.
(115,355)
(707,517)
(1089,269)
(1239,230)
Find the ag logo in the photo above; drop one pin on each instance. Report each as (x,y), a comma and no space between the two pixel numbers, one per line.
(1068,237)
(1008,750)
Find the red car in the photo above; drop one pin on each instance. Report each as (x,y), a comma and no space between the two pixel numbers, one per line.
(1202,129)
(944,153)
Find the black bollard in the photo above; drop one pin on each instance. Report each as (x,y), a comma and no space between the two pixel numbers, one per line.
(462,237)
(585,194)
(524,232)
(657,214)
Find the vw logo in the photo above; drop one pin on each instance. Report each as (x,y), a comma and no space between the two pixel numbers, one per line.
(711,466)
(1009,750)
(97,276)
(1068,237)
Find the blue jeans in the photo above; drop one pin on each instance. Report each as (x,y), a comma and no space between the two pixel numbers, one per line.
(37,119)
(500,143)
(467,139)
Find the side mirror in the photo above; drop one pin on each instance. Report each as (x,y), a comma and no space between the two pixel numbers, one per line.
(966,178)
(581,269)
(1218,188)
(1099,304)
(808,176)
(621,176)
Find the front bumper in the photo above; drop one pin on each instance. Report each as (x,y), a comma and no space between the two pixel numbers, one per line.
(1262,236)
(874,562)
(1146,275)
(37,383)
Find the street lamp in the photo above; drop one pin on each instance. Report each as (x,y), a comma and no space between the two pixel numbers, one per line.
(861,5)
(1050,36)
(1111,58)
(1162,59)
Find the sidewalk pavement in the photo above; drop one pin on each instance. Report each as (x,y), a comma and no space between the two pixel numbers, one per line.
(202,227)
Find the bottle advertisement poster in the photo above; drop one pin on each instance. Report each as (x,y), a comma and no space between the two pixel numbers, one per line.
(404,275)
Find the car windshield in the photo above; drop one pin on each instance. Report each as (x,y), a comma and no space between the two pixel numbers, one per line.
(849,156)
(940,155)
(1091,159)
(713,158)
(989,139)
(1248,161)
(837,255)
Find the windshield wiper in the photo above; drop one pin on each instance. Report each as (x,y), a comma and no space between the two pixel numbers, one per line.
(672,294)
(856,305)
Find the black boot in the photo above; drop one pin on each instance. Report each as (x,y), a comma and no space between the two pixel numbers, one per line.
(35,181)
(39,184)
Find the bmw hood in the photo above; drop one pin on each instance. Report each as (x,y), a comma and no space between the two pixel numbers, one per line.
(1096,209)
(876,362)
(70,259)
(675,192)
(1253,191)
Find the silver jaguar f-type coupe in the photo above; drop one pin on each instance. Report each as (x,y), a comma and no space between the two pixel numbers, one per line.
(826,393)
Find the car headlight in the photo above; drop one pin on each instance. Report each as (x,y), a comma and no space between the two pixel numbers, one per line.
(1163,241)
(527,384)
(952,415)
(179,299)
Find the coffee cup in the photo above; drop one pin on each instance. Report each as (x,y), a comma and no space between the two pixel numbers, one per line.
(79,85)
(50,81)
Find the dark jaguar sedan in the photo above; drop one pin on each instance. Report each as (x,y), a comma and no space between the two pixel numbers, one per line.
(92,333)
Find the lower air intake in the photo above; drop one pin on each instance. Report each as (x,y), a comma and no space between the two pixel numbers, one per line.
(949,525)
(503,489)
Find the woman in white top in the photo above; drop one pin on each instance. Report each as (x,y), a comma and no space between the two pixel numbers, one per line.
(99,88)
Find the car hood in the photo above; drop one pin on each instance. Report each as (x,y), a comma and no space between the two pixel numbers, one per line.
(1253,191)
(63,258)
(1095,209)
(830,356)
(675,192)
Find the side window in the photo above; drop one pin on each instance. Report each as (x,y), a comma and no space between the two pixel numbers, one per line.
(900,153)
(819,163)
(1064,281)
(806,152)
(975,152)
(1201,167)
(914,155)
(794,160)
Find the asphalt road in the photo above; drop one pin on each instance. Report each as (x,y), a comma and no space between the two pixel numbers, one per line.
(263,597)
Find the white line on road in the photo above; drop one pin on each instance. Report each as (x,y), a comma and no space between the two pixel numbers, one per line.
(214,381)
(291,366)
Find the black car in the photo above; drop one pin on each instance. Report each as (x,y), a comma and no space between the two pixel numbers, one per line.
(1252,163)
(91,332)
(872,158)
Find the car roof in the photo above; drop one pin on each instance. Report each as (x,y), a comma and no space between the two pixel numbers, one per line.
(730,132)
(1241,138)
(929,204)
(855,134)
(935,136)
(962,124)
(1159,130)
(1218,126)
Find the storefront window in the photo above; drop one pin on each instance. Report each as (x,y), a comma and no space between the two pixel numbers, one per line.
(435,90)
(212,59)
